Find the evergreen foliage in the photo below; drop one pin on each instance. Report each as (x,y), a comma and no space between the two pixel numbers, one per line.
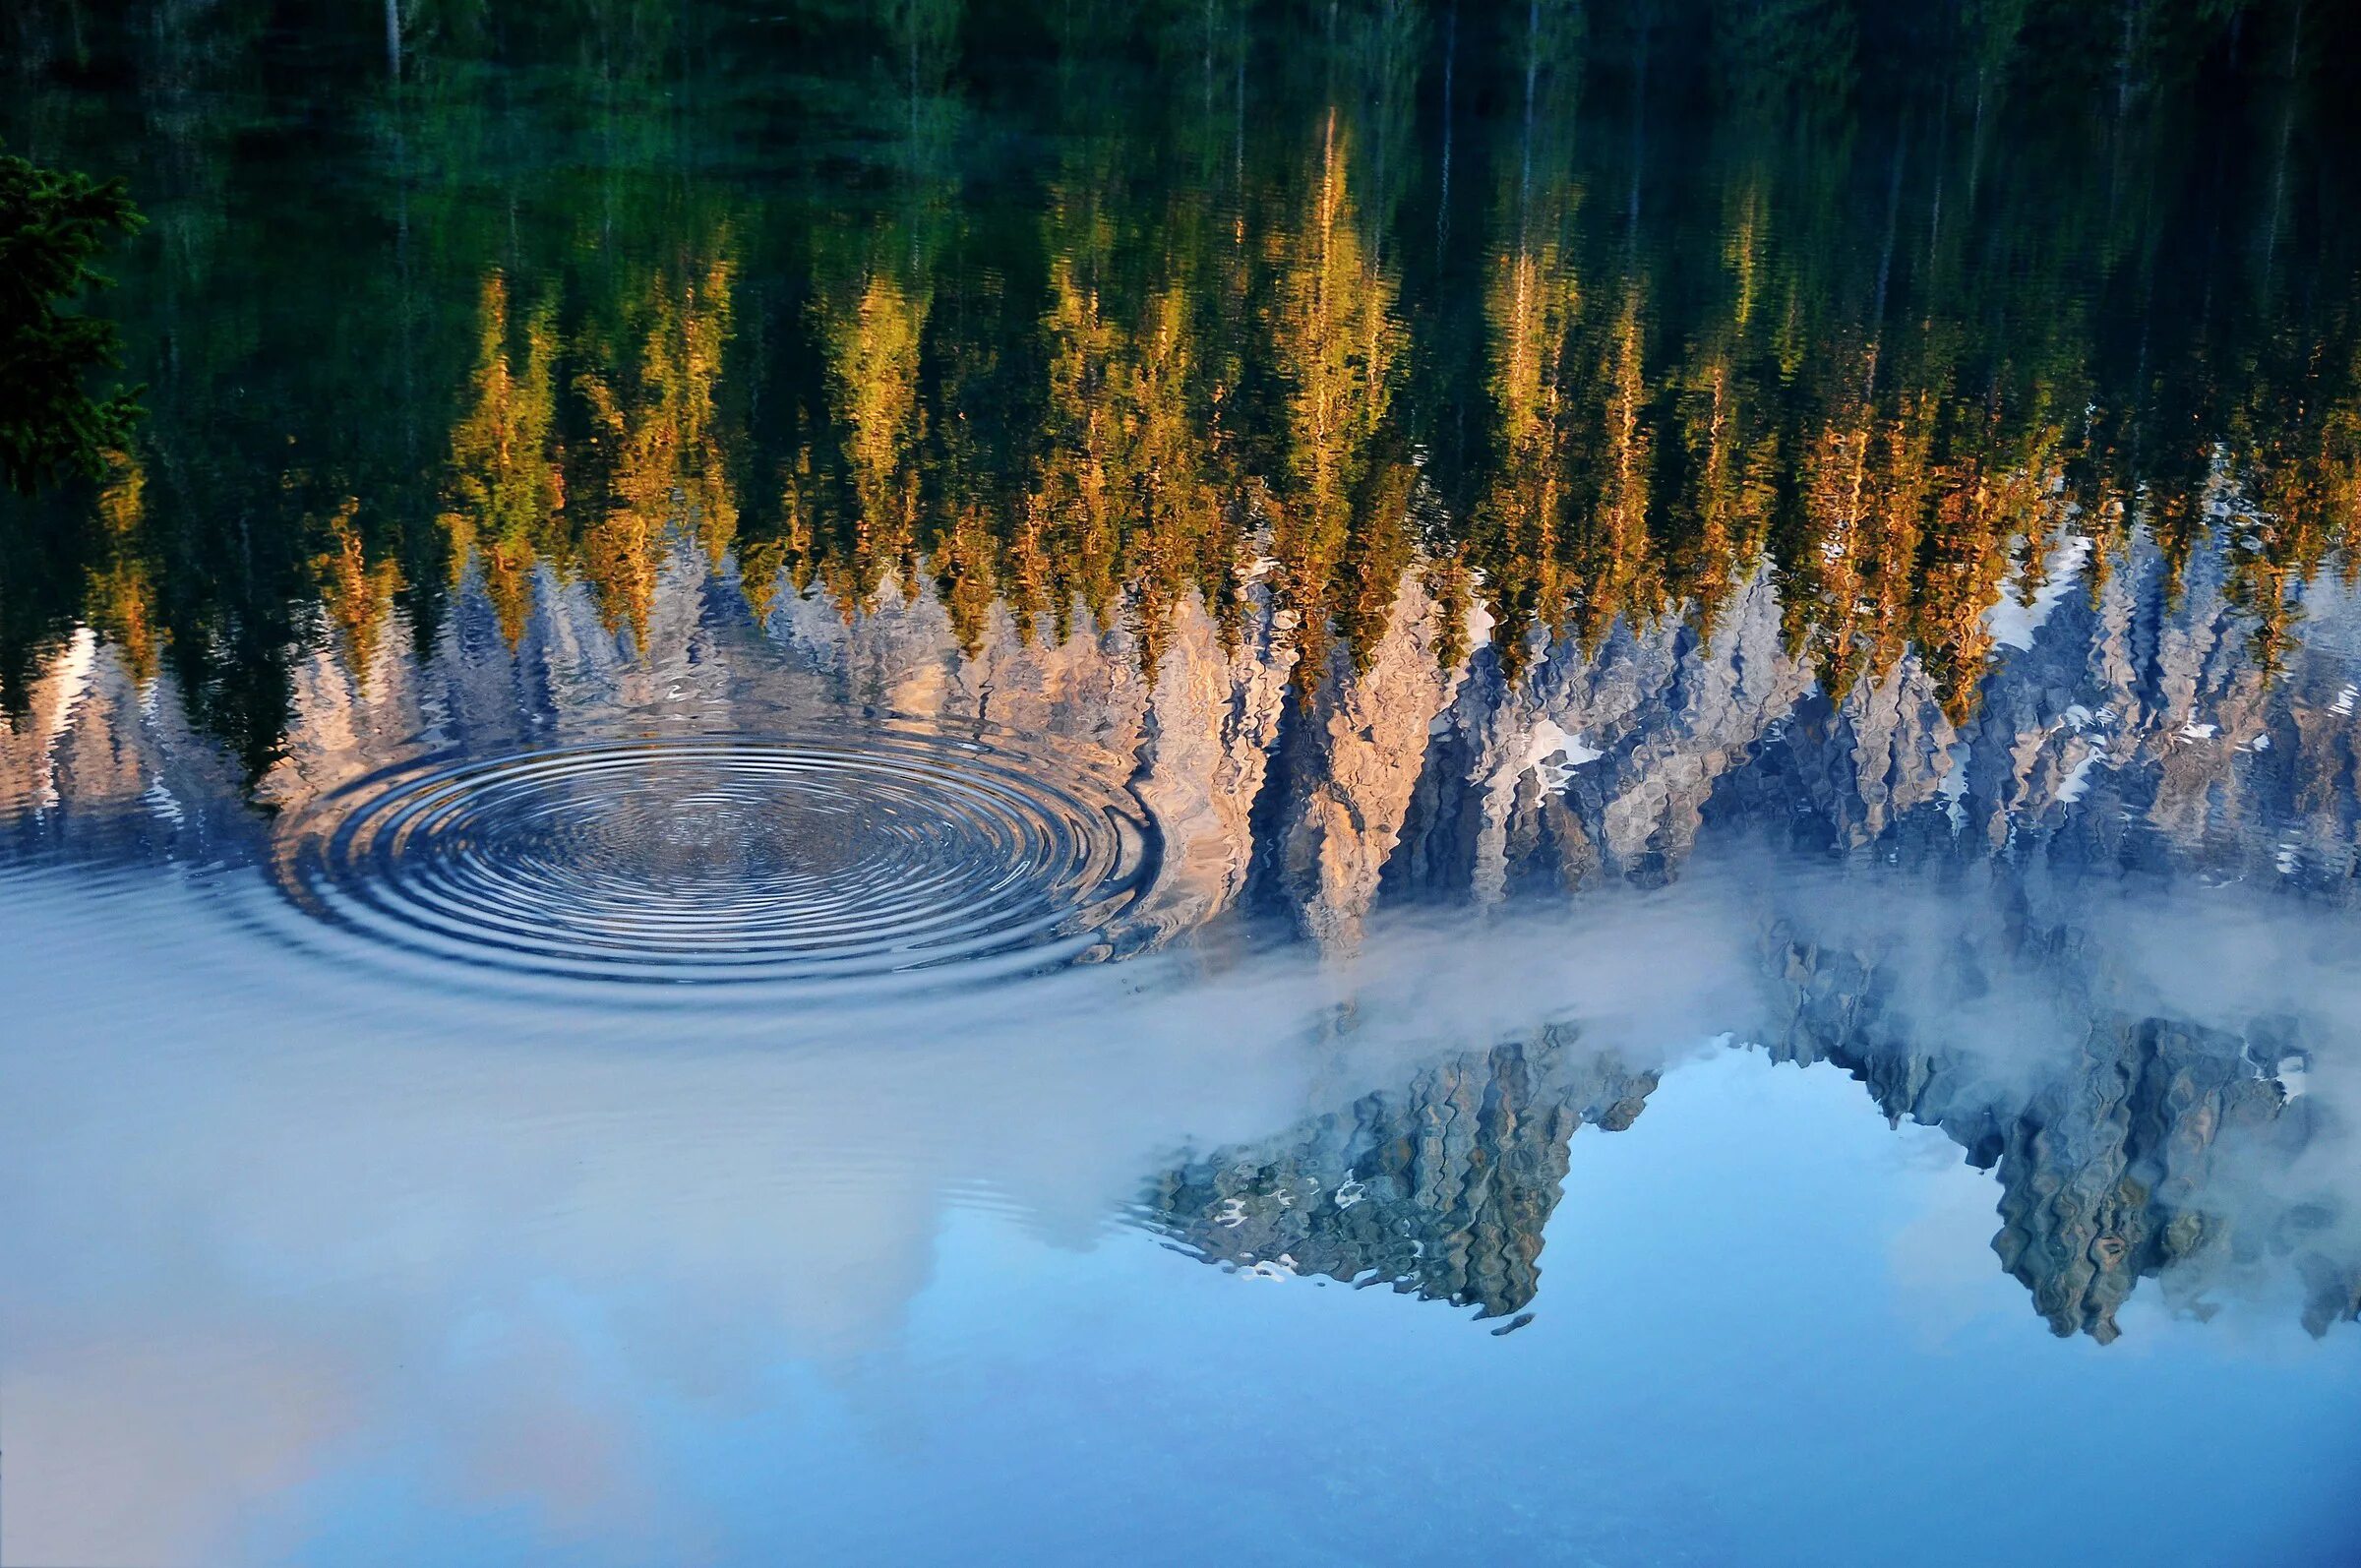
(53,225)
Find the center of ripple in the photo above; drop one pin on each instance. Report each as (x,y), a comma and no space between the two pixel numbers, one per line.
(725,858)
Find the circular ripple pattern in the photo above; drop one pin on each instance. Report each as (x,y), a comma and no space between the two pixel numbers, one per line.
(724,858)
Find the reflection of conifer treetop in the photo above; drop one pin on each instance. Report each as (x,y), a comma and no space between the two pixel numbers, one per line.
(1577,321)
(648,455)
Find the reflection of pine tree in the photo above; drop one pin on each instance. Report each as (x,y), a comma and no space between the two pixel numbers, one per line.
(1336,340)
(789,550)
(1529,310)
(507,490)
(1185,539)
(356,592)
(2294,454)
(872,333)
(1532,302)
(1981,501)
(122,590)
(655,442)
(1089,481)
(640,384)
(1614,554)
(1126,507)
(1722,514)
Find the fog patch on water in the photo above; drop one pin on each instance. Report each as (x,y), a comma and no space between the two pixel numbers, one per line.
(359,1201)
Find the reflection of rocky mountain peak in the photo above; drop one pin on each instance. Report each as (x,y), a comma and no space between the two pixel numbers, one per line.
(1595,760)
(1350,765)
(2112,1134)
(2126,734)
(1195,734)
(1440,1188)
(2133,727)
(2125,1147)
(2128,727)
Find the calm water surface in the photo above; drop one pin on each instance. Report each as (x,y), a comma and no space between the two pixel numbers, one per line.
(1374,782)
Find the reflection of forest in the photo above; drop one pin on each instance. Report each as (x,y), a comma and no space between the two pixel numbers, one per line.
(1569,314)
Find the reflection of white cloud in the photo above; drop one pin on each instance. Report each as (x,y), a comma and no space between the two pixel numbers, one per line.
(327,1230)
(531,1420)
(487,1243)
(1941,1258)
(153,1447)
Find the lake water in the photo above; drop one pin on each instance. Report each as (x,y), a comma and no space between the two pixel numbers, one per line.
(1367,782)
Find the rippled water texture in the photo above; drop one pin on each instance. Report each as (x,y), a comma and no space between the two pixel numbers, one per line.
(724,858)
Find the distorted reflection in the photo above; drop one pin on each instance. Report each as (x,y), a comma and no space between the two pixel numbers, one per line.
(1254,630)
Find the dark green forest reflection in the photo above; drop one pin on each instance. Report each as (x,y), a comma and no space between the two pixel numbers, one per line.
(1571,313)
(53,225)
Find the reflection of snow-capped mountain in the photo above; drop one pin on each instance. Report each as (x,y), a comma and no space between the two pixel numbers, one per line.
(1939,919)
(2131,726)
(1440,1187)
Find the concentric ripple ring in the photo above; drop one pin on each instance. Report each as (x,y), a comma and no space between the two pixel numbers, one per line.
(725,858)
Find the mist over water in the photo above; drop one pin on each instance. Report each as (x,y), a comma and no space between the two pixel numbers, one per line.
(1384,782)
(246,1238)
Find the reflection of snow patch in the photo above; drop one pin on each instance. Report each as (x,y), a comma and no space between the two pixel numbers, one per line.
(1953,786)
(2286,858)
(2078,779)
(74,682)
(2291,1073)
(2194,731)
(1350,1192)
(1480,623)
(2012,624)
(160,799)
(1555,753)
(1233,1215)
(2344,700)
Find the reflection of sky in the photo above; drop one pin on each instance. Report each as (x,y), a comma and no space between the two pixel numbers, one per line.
(295,1277)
